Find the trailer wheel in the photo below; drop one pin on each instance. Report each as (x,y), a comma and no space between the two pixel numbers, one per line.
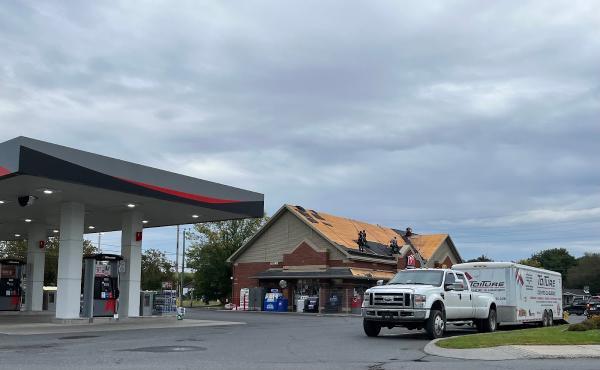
(550,318)
(435,324)
(371,328)
(544,322)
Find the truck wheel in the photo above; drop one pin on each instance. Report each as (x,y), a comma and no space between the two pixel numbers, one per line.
(435,325)
(489,325)
(371,328)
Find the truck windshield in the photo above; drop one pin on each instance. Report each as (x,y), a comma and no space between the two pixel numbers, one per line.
(421,277)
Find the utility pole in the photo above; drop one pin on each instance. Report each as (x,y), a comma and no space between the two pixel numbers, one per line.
(99,240)
(177,262)
(182,263)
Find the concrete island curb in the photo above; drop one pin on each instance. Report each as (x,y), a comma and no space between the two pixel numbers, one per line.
(514,352)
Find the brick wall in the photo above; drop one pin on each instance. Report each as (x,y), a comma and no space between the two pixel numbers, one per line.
(305,255)
(447,262)
(241,277)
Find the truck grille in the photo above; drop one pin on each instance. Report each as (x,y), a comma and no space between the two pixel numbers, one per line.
(389,299)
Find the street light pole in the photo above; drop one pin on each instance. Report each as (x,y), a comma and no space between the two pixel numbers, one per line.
(177,262)
(182,263)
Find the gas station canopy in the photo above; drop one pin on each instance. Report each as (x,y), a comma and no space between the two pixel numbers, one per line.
(36,177)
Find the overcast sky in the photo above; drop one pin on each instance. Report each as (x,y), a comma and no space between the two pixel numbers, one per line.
(477,119)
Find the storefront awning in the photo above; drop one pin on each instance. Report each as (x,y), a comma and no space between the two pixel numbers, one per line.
(330,273)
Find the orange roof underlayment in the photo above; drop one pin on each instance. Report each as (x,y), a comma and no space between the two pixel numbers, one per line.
(344,231)
(427,244)
(372,274)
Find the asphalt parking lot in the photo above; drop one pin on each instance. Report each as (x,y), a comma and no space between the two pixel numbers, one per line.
(264,341)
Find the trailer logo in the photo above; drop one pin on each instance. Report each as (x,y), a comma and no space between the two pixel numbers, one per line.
(545,281)
(487,284)
(519,278)
(484,283)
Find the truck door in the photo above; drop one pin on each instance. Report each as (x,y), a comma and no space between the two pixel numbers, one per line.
(467,309)
(451,298)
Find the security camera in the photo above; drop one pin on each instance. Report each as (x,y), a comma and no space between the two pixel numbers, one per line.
(26,200)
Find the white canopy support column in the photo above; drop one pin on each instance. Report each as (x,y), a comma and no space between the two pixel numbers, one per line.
(70,254)
(131,250)
(36,257)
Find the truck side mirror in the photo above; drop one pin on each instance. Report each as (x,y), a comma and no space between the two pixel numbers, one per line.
(448,287)
(379,282)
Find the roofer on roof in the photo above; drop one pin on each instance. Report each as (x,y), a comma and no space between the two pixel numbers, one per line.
(394,246)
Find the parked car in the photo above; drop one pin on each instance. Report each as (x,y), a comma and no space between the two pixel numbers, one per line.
(427,299)
(578,307)
(593,307)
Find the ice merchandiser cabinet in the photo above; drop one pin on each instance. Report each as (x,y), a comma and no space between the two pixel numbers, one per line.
(11,276)
(101,285)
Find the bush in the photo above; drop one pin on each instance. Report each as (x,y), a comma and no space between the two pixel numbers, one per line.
(593,322)
(577,327)
(589,324)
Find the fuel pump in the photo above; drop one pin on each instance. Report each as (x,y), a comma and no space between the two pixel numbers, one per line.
(11,276)
(101,285)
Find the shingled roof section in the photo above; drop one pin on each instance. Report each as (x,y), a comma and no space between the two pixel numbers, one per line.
(427,244)
(344,231)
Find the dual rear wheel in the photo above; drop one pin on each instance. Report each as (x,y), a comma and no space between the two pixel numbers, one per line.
(488,325)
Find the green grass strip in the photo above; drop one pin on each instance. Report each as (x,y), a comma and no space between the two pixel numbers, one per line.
(549,335)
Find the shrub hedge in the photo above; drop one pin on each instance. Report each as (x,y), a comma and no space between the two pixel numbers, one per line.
(592,323)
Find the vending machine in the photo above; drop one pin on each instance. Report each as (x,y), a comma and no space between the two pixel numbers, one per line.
(11,276)
(101,285)
(271,300)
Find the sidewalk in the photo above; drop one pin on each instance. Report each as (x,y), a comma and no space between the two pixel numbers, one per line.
(44,323)
(515,352)
(292,313)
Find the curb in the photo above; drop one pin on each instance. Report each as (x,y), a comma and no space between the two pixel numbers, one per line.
(289,313)
(485,354)
(515,352)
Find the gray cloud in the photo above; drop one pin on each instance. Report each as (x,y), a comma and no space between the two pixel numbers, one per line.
(477,119)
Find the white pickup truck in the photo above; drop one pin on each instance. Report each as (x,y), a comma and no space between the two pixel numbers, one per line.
(427,298)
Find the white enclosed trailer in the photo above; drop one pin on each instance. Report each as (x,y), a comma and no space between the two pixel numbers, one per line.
(523,294)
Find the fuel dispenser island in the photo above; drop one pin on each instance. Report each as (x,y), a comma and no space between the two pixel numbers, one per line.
(101,285)
(11,276)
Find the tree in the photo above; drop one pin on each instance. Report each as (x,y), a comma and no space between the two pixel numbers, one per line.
(156,269)
(530,262)
(556,259)
(13,249)
(18,249)
(212,244)
(585,273)
(482,258)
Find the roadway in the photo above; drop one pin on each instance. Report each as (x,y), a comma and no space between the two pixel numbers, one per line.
(264,341)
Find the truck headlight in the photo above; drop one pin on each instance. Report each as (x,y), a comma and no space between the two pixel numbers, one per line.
(419,300)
